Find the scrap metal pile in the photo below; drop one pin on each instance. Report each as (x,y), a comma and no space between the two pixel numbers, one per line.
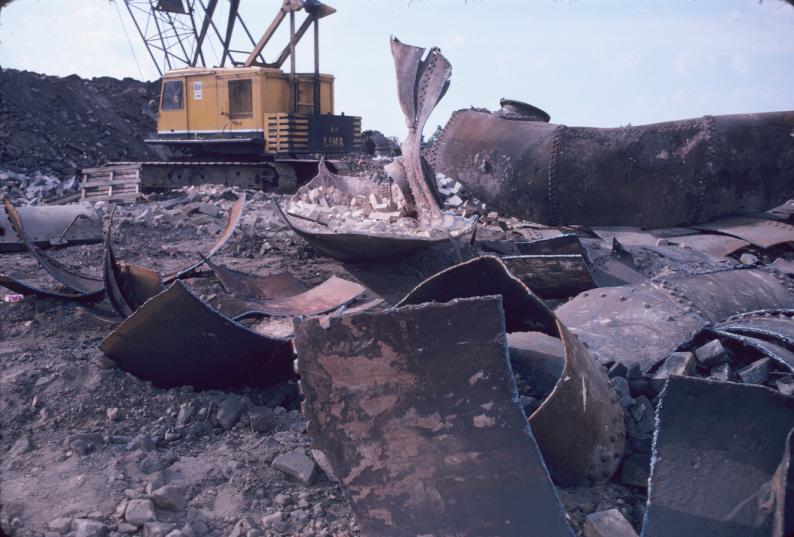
(660,358)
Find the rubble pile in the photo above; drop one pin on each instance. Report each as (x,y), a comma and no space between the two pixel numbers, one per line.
(51,126)
(23,189)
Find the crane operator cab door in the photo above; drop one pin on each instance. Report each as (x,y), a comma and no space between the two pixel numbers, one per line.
(173,108)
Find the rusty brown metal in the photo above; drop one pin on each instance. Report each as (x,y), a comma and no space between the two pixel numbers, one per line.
(759,232)
(126,286)
(81,288)
(175,339)
(643,323)
(659,175)
(50,225)
(269,287)
(416,411)
(330,295)
(579,427)
(717,448)
(234,218)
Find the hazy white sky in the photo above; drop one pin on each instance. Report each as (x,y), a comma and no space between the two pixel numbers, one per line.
(586,62)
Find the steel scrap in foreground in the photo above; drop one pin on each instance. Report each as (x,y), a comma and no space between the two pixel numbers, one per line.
(426,437)
(579,426)
(717,450)
(642,324)
(175,339)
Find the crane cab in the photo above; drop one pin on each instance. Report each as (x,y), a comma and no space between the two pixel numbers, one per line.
(253,110)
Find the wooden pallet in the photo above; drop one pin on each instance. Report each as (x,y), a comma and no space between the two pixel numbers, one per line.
(117,183)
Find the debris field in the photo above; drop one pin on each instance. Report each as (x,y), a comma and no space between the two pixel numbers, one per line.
(405,349)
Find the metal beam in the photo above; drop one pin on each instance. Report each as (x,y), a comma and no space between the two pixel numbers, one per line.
(233,7)
(208,12)
(266,37)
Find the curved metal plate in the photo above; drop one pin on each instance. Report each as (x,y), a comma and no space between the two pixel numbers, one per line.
(658,175)
(579,427)
(85,288)
(175,339)
(416,410)
(52,224)
(761,233)
(269,287)
(234,218)
(716,449)
(777,353)
(642,324)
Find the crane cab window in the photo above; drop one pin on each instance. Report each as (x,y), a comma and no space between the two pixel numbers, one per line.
(173,92)
(240,99)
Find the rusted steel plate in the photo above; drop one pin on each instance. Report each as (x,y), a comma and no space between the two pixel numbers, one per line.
(784,211)
(775,325)
(126,286)
(716,450)
(761,233)
(487,275)
(175,339)
(81,288)
(538,358)
(330,295)
(616,268)
(579,427)
(783,487)
(642,324)
(269,287)
(652,176)
(416,410)
(716,245)
(777,353)
(231,224)
(47,225)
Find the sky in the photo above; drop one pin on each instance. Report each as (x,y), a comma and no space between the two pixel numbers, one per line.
(595,63)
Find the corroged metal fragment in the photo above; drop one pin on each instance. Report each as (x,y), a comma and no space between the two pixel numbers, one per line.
(416,410)
(553,268)
(175,339)
(272,286)
(579,427)
(81,288)
(126,286)
(717,448)
(770,332)
(659,175)
(759,232)
(643,323)
(231,224)
(47,225)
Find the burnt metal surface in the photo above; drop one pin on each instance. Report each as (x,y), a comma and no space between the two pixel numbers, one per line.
(411,459)
(643,323)
(126,286)
(231,224)
(760,232)
(175,339)
(616,268)
(716,245)
(557,267)
(716,449)
(81,288)
(777,353)
(269,287)
(50,225)
(579,427)
(659,175)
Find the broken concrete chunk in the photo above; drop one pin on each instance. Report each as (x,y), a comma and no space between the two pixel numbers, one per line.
(712,353)
(230,411)
(157,529)
(610,523)
(456,465)
(756,372)
(678,363)
(84,527)
(169,497)
(297,464)
(139,512)
(723,373)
